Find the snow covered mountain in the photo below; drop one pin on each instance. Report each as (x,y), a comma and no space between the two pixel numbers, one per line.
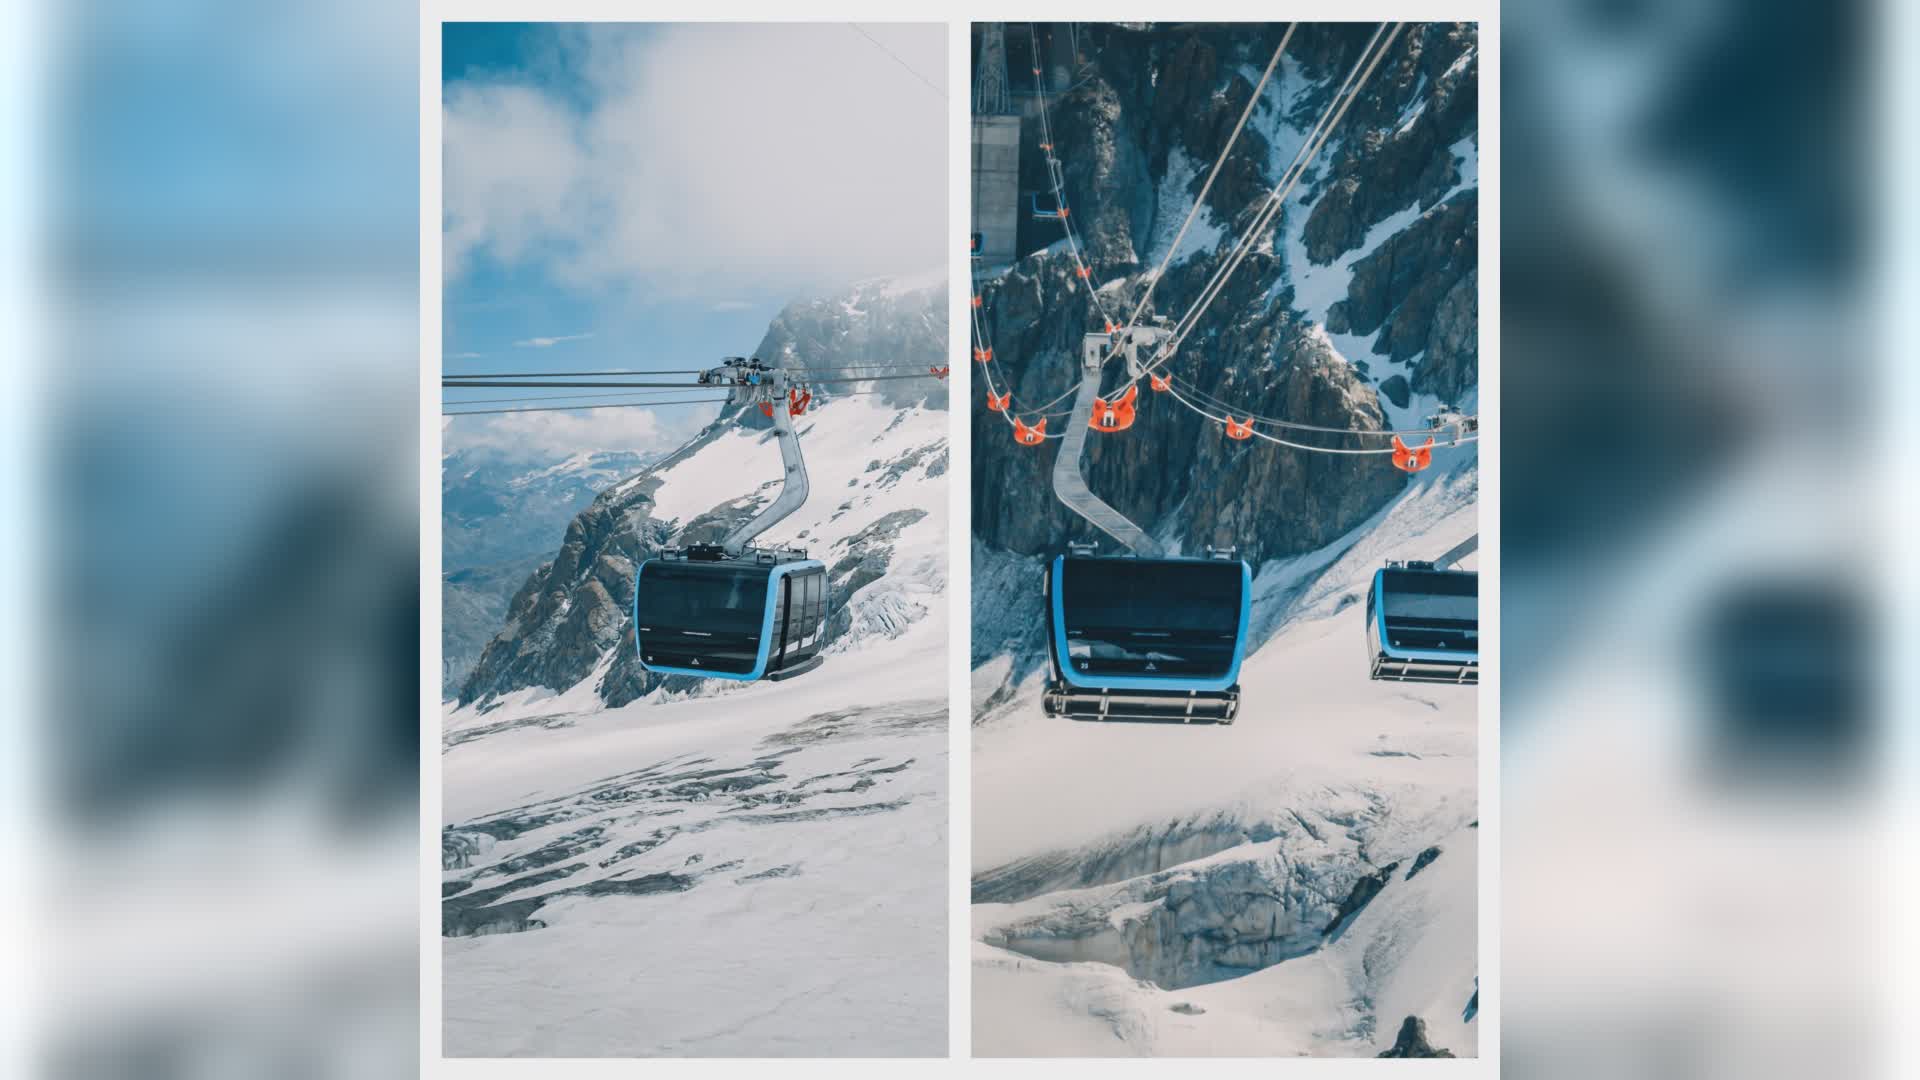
(1356,311)
(644,866)
(1300,882)
(499,516)
(1303,881)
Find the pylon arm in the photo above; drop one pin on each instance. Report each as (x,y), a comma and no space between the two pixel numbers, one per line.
(1459,551)
(793,484)
(1069,484)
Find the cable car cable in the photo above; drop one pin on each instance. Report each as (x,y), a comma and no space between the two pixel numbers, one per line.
(1296,425)
(574,408)
(1218,163)
(539,384)
(1309,147)
(545,397)
(1299,446)
(896,59)
(560,374)
(1055,174)
(1277,200)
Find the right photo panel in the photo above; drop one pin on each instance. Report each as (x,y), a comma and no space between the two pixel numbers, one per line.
(1225,514)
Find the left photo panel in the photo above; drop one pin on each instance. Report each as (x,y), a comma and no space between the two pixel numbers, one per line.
(694,539)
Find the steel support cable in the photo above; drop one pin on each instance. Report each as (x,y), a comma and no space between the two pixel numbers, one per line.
(1055,175)
(1296,425)
(470,380)
(986,370)
(1302,446)
(719,399)
(813,380)
(983,339)
(560,374)
(635,394)
(1276,202)
(1218,163)
(911,70)
(582,408)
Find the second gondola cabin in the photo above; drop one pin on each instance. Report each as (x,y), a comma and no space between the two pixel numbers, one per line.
(761,615)
(1423,624)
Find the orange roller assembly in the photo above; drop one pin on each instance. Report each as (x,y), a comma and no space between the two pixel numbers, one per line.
(998,403)
(1029,436)
(1239,429)
(983,355)
(797,402)
(940,372)
(976,301)
(1412,459)
(1158,382)
(1116,415)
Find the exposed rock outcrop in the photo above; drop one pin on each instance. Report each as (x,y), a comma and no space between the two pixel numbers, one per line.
(1412,1042)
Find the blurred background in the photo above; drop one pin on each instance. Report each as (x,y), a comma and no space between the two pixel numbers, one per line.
(212,212)
(225,526)
(1697,512)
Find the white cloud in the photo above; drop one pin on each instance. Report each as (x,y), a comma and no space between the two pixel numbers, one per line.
(463,356)
(552,436)
(550,342)
(731,305)
(717,157)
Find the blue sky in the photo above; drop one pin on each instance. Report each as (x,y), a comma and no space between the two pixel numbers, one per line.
(650,196)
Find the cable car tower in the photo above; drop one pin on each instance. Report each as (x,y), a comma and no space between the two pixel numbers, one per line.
(731,610)
(1141,635)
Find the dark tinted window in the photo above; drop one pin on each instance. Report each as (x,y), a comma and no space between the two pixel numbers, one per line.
(796,597)
(1451,595)
(715,597)
(1151,617)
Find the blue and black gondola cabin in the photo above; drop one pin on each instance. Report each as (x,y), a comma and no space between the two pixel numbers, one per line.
(1146,639)
(742,618)
(1423,625)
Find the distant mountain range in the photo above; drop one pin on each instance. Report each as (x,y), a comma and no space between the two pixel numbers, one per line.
(500,520)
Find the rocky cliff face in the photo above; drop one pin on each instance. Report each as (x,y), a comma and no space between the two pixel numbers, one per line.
(499,517)
(1357,310)
(867,455)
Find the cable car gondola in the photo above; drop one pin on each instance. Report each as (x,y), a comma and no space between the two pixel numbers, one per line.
(1423,621)
(1141,636)
(730,610)
(702,613)
(1146,638)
